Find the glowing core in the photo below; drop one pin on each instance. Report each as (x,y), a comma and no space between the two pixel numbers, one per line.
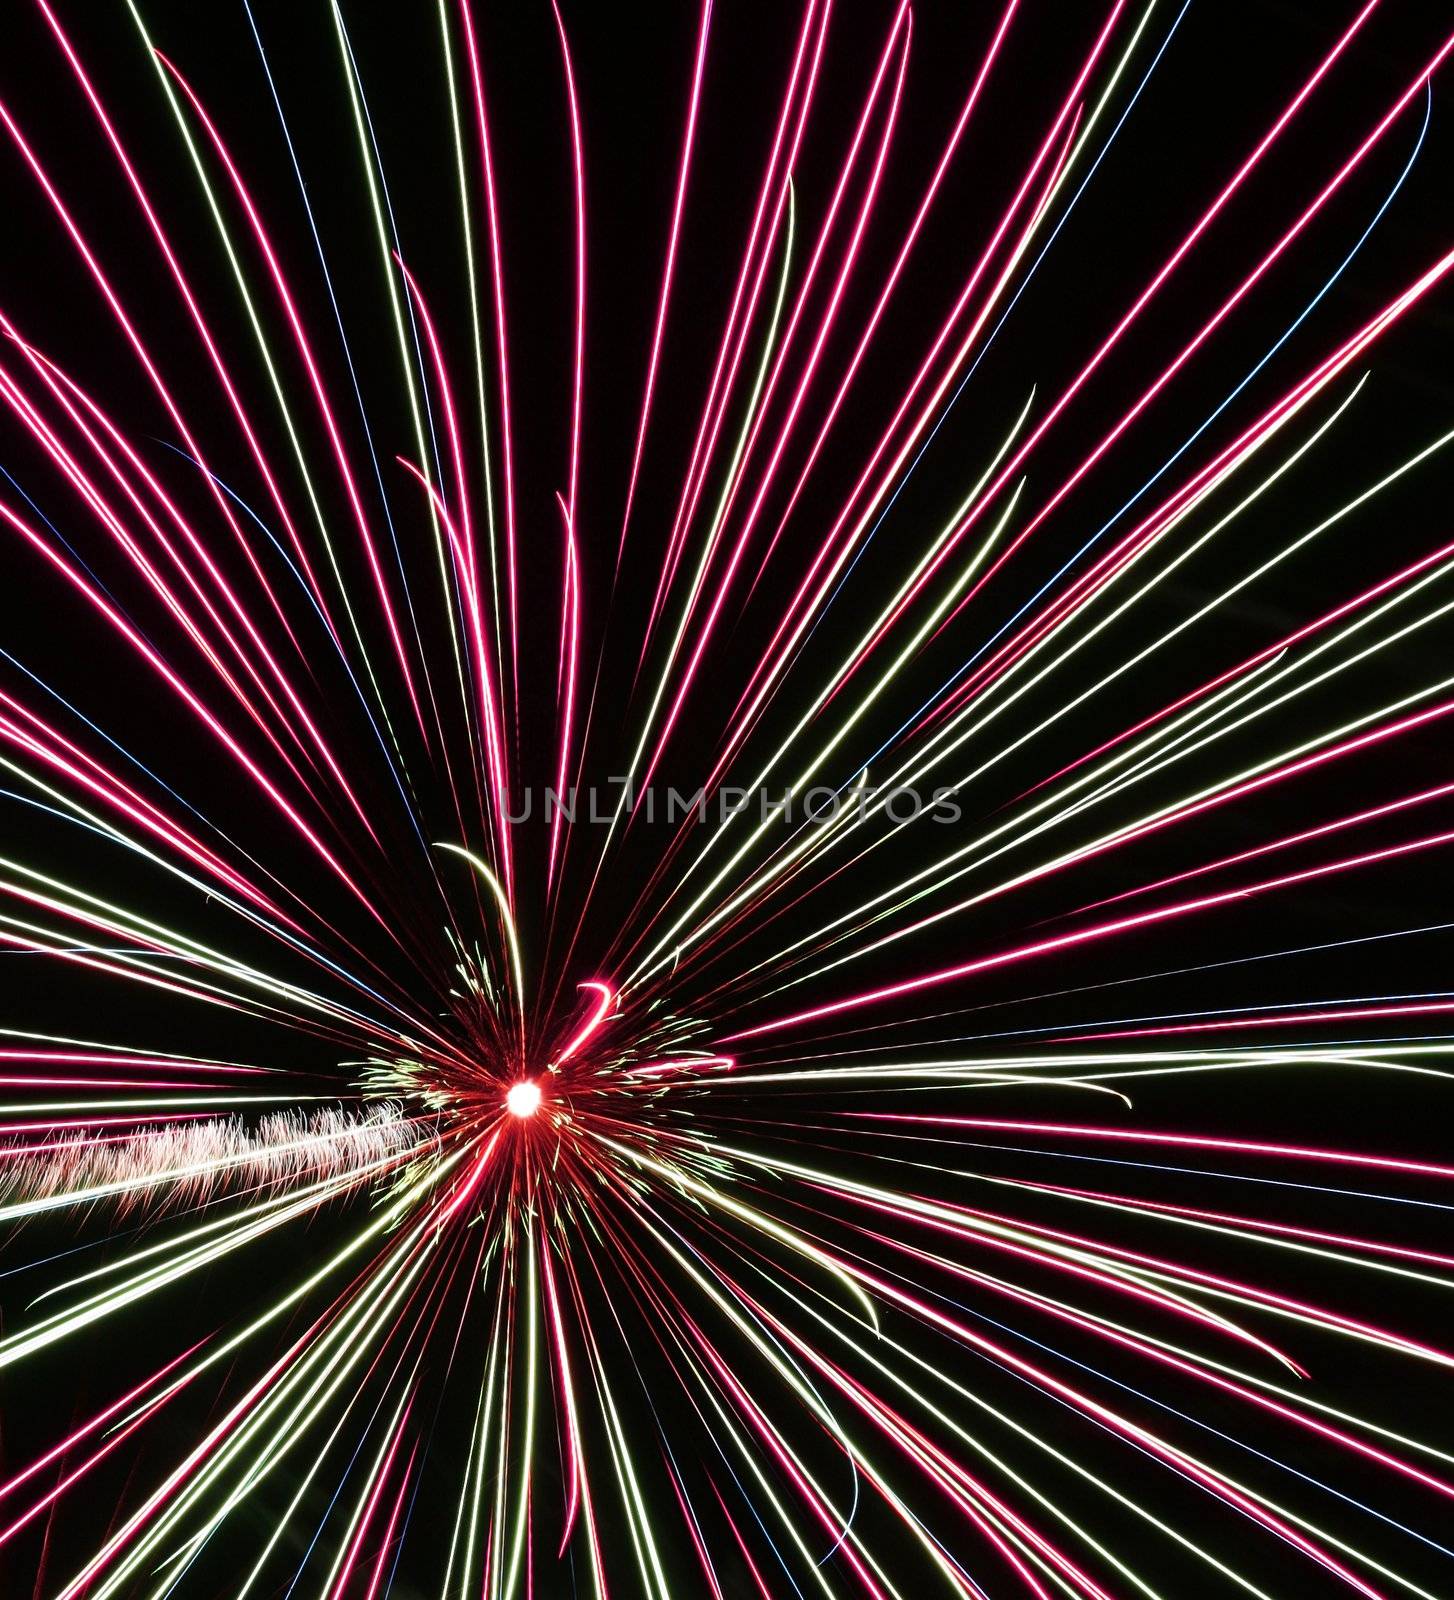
(523,1098)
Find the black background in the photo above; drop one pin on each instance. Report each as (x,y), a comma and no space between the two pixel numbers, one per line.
(1227,73)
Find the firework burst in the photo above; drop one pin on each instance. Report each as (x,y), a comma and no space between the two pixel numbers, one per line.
(550,879)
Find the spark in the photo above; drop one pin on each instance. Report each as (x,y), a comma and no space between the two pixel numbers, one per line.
(523,1099)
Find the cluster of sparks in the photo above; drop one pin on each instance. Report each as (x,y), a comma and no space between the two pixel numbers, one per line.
(688,1261)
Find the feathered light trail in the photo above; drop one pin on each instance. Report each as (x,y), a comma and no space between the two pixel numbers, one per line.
(629,1215)
(192,1161)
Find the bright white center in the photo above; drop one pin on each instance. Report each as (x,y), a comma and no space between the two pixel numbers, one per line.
(523,1099)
